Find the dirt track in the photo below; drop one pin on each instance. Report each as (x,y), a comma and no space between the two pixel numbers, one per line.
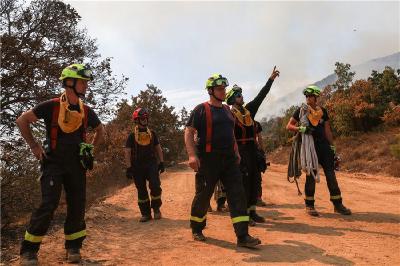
(371,236)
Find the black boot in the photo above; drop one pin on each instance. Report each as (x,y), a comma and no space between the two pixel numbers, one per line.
(256,218)
(222,208)
(340,208)
(310,210)
(252,223)
(145,218)
(73,255)
(260,203)
(248,241)
(198,236)
(29,258)
(157,214)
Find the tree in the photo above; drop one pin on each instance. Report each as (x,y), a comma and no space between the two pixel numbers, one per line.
(38,41)
(183,117)
(162,119)
(275,131)
(344,75)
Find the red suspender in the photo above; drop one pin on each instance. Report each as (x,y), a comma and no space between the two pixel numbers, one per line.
(208,126)
(54,123)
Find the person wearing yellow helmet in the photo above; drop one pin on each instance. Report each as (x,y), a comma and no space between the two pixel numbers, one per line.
(312,120)
(213,155)
(246,137)
(64,161)
(75,77)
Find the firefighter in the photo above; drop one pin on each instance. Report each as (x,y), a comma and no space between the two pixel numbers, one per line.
(64,161)
(216,157)
(145,161)
(317,120)
(246,137)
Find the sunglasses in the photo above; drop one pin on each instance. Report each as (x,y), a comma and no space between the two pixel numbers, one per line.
(310,95)
(86,73)
(221,81)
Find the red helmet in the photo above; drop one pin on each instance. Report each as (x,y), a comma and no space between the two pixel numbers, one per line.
(140,113)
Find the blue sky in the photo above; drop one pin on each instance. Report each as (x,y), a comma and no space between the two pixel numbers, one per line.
(178,45)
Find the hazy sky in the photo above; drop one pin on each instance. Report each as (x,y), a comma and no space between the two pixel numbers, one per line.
(178,45)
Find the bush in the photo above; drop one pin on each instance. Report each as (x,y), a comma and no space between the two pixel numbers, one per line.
(395,148)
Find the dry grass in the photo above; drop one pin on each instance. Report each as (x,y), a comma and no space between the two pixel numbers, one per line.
(368,153)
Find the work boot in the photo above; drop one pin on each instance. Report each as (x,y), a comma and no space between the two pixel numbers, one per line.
(198,236)
(261,203)
(340,208)
(29,258)
(310,210)
(73,255)
(248,241)
(256,218)
(222,208)
(252,223)
(145,218)
(157,214)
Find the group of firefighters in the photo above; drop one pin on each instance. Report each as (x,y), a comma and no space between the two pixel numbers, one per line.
(223,143)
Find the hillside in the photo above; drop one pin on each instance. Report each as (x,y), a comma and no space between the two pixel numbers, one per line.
(363,71)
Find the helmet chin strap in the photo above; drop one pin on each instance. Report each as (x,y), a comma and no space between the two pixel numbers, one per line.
(79,95)
(215,97)
(143,125)
(239,103)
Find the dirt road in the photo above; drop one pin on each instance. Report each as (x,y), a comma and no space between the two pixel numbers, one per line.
(371,236)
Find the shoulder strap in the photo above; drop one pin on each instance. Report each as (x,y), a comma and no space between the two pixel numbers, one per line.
(54,123)
(303,110)
(208,126)
(242,139)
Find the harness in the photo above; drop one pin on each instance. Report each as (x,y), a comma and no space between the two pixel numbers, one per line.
(209,127)
(54,123)
(134,151)
(243,121)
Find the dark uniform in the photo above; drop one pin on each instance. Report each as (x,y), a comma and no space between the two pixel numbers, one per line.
(217,164)
(245,137)
(62,167)
(259,175)
(145,167)
(326,160)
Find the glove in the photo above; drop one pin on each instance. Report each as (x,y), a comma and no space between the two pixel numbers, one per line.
(333,148)
(86,155)
(129,172)
(261,160)
(305,129)
(302,129)
(161,167)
